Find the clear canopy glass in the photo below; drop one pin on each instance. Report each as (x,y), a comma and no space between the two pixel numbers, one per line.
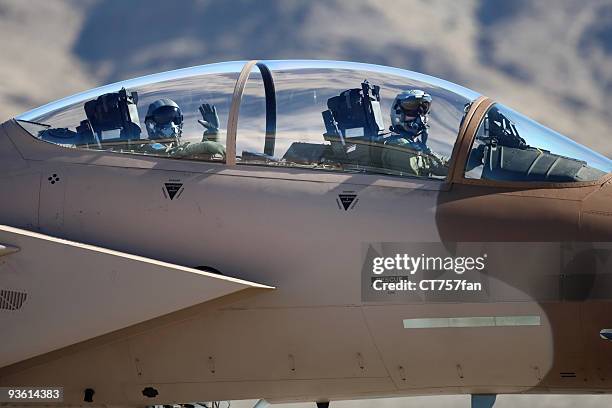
(509,146)
(323,115)
(320,123)
(97,119)
(317,115)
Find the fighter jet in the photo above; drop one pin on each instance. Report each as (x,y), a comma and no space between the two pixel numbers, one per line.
(264,230)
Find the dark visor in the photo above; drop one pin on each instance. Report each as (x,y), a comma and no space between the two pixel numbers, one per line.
(415,106)
(166,114)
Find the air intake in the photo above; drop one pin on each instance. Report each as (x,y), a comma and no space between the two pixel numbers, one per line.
(12,300)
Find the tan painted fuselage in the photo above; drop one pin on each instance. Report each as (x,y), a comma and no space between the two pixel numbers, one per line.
(312,337)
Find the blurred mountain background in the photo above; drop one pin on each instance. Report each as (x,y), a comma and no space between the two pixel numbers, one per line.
(550,59)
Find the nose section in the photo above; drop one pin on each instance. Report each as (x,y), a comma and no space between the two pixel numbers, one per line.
(596,215)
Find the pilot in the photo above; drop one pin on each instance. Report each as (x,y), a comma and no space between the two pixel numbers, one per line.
(409,117)
(164,123)
(409,133)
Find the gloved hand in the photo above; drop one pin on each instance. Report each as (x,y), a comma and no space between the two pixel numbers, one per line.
(210,119)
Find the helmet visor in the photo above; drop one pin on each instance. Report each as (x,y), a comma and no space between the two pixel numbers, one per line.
(166,114)
(414,106)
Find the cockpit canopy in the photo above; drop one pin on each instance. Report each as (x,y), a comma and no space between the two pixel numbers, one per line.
(315,115)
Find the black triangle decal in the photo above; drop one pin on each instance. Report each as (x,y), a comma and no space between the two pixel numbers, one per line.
(172,189)
(347,200)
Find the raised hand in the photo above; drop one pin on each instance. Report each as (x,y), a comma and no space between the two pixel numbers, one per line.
(210,119)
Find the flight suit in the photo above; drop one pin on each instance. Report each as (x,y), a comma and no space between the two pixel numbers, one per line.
(407,156)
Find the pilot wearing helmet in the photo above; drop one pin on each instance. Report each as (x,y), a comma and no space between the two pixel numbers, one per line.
(409,117)
(164,124)
(409,133)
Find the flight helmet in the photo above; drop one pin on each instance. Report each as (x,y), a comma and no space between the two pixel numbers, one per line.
(409,110)
(164,120)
